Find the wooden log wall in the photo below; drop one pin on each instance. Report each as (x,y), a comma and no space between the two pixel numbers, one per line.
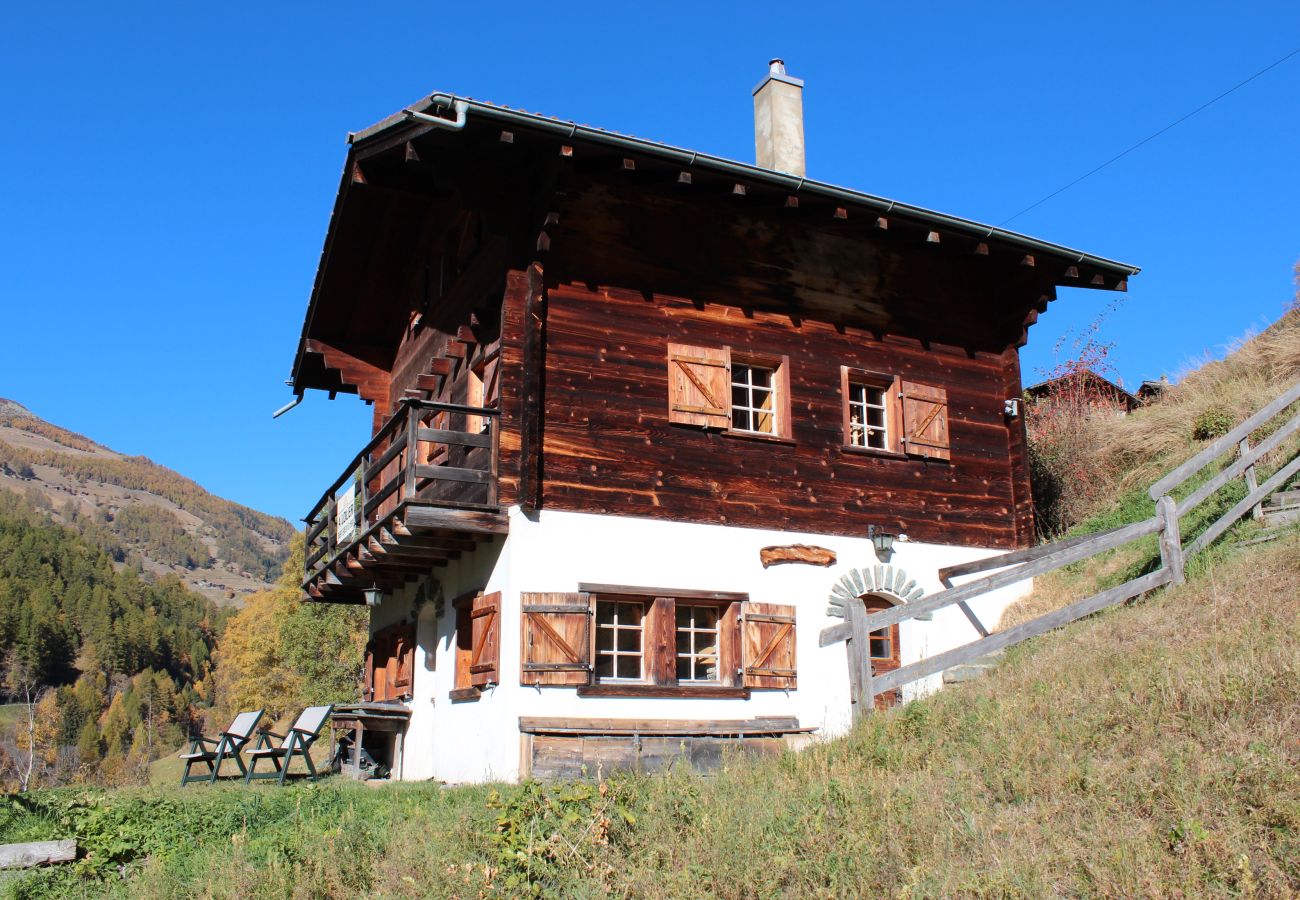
(609,448)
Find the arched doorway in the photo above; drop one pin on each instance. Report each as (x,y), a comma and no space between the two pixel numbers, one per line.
(883,647)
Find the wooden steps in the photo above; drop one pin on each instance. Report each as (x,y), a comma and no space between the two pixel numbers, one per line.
(1282,508)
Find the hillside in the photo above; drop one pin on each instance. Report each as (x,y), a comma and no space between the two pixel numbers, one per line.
(1149,751)
(130,506)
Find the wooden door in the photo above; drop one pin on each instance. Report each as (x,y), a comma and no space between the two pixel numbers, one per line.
(883,647)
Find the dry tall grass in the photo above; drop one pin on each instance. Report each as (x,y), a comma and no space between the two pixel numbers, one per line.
(1149,751)
(1141,446)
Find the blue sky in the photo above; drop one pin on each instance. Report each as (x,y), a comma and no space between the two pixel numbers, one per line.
(169,171)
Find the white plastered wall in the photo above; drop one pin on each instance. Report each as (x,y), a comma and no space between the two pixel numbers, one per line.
(555,551)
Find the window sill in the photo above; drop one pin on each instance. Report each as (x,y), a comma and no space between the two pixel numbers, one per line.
(756,436)
(698,691)
(465,695)
(872,451)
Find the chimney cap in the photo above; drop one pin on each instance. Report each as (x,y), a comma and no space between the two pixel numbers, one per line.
(776,72)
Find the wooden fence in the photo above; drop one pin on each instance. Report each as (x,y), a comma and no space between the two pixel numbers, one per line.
(1024,564)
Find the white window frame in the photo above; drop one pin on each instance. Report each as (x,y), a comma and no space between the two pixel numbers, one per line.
(614,652)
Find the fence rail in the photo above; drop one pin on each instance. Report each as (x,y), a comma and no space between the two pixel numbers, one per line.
(1024,564)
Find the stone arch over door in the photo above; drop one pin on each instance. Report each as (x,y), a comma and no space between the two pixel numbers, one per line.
(885,646)
(876,588)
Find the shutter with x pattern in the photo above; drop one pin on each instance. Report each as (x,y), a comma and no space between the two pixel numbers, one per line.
(699,386)
(485,626)
(556,637)
(925,420)
(767,646)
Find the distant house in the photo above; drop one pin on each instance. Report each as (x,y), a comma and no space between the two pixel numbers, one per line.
(639,413)
(1087,388)
(1151,391)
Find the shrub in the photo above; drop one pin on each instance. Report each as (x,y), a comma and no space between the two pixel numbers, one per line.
(1212,423)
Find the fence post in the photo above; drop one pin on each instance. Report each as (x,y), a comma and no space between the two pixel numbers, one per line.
(1171,540)
(858,647)
(1252,483)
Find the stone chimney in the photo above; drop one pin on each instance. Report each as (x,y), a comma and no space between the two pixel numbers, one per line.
(778,121)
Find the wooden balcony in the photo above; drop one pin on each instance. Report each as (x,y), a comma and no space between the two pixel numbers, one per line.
(421,493)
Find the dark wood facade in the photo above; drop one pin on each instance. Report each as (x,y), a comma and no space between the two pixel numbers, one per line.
(544,279)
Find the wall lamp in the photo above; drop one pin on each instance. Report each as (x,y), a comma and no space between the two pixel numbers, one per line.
(883,541)
(373,596)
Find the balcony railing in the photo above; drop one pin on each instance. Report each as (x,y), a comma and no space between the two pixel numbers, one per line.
(431,454)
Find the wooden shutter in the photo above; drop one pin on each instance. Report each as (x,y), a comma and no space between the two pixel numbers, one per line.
(925,420)
(699,386)
(556,636)
(767,645)
(485,624)
(404,657)
(368,676)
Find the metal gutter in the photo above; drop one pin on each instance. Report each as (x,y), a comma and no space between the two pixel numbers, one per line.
(688,158)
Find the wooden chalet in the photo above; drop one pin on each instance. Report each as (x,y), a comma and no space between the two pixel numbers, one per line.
(638,412)
(1086,389)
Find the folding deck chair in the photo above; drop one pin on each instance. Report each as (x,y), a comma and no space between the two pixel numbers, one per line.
(302,734)
(226,746)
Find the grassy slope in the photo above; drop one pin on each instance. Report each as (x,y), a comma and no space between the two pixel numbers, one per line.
(1153,750)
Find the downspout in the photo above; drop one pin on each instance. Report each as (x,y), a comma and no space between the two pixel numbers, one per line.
(460,106)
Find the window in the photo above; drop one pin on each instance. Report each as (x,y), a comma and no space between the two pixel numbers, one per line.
(752,407)
(714,387)
(620,639)
(889,414)
(871,411)
(868,416)
(882,645)
(610,640)
(697,643)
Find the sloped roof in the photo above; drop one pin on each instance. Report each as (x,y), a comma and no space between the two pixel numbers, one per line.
(440,102)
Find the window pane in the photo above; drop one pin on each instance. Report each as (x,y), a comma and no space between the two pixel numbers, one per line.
(683,642)
(683,668)
(683,616)
(761,377)
(762,399)
(628,666)
(875,417)
(629,640)
(764,423)
(629,613)
(604,639)
(741,420)
(706,616)
(604,613)
(880,645)
(604,666)
(707,670)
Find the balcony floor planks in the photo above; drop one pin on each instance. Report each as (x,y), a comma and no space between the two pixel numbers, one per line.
(411,541)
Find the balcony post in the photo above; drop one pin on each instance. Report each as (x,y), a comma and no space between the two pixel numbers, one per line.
(412,439)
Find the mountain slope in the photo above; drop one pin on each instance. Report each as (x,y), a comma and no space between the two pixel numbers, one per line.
(130,506)
(1148,751)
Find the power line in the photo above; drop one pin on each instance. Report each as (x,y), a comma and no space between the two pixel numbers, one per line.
(1152,137)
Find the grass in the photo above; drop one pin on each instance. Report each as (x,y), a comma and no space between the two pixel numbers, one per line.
(1152,750)
(12,714)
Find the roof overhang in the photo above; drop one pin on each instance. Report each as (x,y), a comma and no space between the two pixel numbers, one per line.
(449,112)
